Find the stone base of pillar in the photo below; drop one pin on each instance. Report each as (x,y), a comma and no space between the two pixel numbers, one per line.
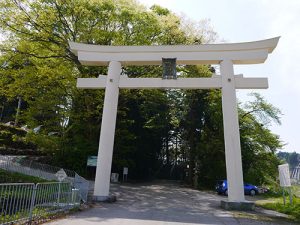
(243,206)
(109,199)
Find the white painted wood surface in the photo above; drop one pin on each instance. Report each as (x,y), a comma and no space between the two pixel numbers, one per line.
(107,133)
(180,83)
(233,157)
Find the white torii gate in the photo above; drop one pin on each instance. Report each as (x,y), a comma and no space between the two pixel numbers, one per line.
(224,54)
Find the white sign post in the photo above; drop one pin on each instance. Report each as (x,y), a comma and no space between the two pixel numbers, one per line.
(285,181)
(61,175)
(125,173)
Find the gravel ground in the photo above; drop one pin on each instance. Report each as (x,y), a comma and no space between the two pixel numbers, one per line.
(168,204)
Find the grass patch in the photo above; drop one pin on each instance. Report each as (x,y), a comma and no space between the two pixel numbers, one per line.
(12,177)
(276,204)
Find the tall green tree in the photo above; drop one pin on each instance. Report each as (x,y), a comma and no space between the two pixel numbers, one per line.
(39,67)
(156,129)
(259,144)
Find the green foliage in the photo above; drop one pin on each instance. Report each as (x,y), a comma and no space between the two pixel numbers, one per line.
(157,130)
(258,143)
(38,54)
(10,177)
(44,142)
(292,158)
(12,137)
(277,204)
(204,139)
(263,111)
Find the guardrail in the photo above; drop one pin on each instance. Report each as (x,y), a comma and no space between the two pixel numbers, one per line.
(47,172)
(24,202)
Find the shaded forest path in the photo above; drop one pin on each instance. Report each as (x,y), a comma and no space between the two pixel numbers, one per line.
(163,203)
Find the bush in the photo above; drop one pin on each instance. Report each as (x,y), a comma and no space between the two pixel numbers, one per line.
(10,177)
(292,210)
(13,137)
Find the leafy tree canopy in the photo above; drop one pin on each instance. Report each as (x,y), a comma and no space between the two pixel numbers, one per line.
(159,132)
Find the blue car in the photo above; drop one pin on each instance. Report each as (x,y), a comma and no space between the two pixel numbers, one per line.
(222,188)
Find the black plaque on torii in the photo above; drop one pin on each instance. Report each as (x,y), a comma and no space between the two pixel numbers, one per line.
(169,68)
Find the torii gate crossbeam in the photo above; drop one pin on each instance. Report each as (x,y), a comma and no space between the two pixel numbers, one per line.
(224,54)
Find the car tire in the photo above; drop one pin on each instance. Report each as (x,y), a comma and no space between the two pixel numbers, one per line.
(252,192)
(226,192)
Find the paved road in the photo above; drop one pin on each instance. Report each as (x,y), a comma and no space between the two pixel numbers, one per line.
(164,204)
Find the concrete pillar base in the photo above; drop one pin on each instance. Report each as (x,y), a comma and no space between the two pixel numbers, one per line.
(243,206)
(110,198)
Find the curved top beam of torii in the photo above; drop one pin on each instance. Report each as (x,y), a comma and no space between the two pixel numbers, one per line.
(239,53)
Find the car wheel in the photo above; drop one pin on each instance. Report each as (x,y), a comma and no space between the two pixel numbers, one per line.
(252,192)
(226,192)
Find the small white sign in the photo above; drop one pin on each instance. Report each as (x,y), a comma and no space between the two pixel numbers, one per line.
(125,171)
(61,175)
(284,175)
(114,177)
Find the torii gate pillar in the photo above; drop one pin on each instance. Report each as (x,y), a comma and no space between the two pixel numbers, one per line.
(107,133)
(231,134)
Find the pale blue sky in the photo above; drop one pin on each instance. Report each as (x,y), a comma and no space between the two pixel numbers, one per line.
(250,20)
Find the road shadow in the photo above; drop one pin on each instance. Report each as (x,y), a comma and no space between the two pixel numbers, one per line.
(160,201)
(164,203)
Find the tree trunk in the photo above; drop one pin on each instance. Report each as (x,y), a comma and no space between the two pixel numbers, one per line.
(18,111)
(2,110)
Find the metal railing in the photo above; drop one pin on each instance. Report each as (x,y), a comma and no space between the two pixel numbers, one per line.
(295,174)
(31,168)
(24,202)
(44,171)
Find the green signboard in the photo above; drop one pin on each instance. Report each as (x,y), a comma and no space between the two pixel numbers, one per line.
(92,160)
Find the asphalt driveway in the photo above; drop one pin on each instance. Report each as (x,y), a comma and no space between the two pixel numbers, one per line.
(165,203)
